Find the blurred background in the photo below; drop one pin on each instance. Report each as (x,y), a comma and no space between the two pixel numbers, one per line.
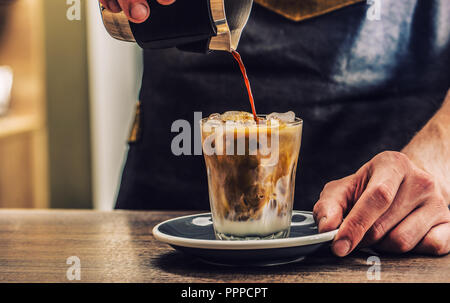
(67,99)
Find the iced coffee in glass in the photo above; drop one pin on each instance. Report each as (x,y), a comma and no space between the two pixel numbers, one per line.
(251,167)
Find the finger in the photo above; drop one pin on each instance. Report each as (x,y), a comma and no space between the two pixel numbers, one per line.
(413,228)
(166,2)
(379,194)
(436,241)
(111,5)
(137,11)
(333,203)
(104,3)
(413,192)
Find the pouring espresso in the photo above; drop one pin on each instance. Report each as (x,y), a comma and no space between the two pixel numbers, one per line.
(200,26)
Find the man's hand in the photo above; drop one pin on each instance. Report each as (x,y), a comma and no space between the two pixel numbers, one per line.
(137,11)
(389,201)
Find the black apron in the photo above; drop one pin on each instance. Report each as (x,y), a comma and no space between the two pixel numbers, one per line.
(360,86)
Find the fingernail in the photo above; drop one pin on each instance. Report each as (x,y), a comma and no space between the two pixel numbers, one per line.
(322,222)
(342,247)
(166,2)
(138,11)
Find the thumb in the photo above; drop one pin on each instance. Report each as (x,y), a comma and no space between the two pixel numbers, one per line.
(137,11)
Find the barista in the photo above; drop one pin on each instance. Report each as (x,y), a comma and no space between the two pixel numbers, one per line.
(372,94)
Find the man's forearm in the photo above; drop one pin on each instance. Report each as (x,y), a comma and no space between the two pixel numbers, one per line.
(430,148)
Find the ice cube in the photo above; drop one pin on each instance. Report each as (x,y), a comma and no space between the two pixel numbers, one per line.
(288,117)
(232,113)
(249,123)
(237,116)
(215,116)
(213,121)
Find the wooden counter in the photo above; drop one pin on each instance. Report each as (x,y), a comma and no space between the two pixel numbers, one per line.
(118,246)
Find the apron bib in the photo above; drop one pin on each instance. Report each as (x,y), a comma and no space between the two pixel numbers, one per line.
(360,86)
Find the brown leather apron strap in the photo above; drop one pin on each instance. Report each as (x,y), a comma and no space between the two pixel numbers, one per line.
(136,129)
(298,10)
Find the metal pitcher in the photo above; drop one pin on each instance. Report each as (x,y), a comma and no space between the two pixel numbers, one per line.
(190,25)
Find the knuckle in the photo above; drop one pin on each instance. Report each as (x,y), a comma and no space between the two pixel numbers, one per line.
(356,228)
(424,182)
(329,185)
(437,246)
(382,195)
(317,207)
(393,155)
(322,206)
(399,159)
(398,156)
(322,193)
(402,241)
(441,210)
(376,232)
(384,154)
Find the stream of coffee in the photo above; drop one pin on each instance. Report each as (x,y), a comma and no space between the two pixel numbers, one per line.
(238,58)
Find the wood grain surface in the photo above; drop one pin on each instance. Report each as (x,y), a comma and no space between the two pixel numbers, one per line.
(118,246)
